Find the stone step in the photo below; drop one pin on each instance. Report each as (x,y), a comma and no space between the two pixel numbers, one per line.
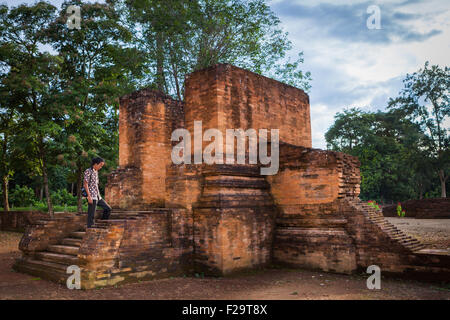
(391,230)
(378,218)
(78,234)
(57,258)
(408,241)
(44,269)
(47,265)
(71,242)
(64,249)
(398,236)
(417,246)
(388,228)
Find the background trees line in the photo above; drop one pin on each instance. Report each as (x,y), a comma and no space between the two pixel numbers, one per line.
(404,152)
(59,88)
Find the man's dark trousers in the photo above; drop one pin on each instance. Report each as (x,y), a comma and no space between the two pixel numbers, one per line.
(91,211)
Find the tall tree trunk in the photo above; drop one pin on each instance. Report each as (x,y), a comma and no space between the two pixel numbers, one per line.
(160,61)
(5,193)
(71,188)
(79,184)
(175,74)
(47,192)
(41,193)
(5,170)
(443,180)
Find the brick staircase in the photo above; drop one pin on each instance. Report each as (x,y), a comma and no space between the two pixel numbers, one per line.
(377,218)
(52,263)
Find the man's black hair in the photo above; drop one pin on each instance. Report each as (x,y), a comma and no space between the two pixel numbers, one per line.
(96,160)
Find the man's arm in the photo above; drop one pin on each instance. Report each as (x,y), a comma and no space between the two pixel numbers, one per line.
(98,192)
(86,187)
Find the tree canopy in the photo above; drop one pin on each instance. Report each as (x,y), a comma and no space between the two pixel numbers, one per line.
(404,152)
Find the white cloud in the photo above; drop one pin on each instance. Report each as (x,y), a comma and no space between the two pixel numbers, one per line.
(360,70)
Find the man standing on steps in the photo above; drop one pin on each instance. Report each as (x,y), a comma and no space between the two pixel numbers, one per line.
(93,193)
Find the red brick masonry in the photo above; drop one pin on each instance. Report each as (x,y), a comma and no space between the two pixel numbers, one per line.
(217,219)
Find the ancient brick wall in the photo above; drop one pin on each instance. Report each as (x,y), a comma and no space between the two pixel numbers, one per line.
(19,220)
(146,121)
(44,232)
(314,237)
(223,218)
(227,97)
(310,230)
(233,220)
(313,176)
(373,246)
(152,244)
(438,208)
(222,97)
(184,185)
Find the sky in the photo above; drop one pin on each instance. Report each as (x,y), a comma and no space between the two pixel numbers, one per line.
(352,65)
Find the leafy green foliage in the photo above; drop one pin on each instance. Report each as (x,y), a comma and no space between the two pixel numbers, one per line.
(183,36)
(22,196)
(374,205)
(393,165)
(425,100)
(400,212)
(63,197)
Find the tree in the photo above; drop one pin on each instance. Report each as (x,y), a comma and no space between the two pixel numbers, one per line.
(98,66)
(32,80)
(8,122)
(425,100)
(349,130)
(387,146)
(183,36)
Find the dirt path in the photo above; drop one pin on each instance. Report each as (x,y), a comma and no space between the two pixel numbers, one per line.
(434,233)
(267,284)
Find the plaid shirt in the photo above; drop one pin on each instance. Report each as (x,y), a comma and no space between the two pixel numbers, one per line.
(91,178)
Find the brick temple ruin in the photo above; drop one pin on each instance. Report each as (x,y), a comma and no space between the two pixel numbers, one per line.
(219,219)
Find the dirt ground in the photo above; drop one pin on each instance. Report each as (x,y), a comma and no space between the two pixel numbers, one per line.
(434,233)
(286,284)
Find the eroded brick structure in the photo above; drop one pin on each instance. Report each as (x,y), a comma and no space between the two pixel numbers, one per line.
(221,218)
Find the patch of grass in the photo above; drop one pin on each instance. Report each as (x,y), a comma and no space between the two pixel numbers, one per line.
(45,208)
(35,279)
(442,289)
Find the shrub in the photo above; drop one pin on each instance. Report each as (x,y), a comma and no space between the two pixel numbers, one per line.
(21,196)
(63,197)
(374,204)
(400,212)
(40,206)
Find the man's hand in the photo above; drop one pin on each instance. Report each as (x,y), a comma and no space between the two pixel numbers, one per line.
(86,187)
